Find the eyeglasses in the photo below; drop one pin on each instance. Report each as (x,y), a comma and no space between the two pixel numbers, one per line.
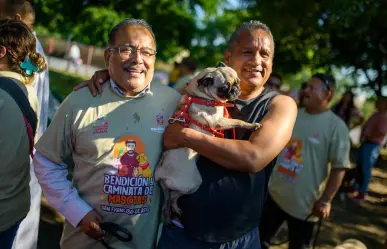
(126,51)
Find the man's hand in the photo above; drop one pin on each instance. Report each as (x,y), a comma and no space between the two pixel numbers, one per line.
(173,136)
(94,84)
(90,225)
(322,209)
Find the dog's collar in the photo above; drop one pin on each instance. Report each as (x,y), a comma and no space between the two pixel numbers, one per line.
(183,117)
(206,102)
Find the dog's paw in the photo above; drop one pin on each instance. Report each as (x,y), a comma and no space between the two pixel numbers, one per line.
(177,210)
(166,215)
(256,126)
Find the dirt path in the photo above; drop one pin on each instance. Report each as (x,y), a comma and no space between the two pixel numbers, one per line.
(366,222)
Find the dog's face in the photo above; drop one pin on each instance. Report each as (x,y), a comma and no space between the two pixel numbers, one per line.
(220,83)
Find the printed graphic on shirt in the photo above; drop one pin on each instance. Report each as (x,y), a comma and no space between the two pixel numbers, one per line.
(290,161)
(159,123)
(315,138)
(129,188)
(100,125)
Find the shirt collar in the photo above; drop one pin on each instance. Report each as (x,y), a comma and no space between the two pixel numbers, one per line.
(117,90)
(13,75)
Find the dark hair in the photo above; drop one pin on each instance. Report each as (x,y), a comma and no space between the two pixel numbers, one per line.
(250,26)
(130,142)
(22,7)
(303,85)
(349,108)
(129,22)
(20,42)
(190,63)
(328,81)
(276,75)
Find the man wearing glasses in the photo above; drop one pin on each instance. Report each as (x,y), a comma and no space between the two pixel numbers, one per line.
(96,131)
(310,168)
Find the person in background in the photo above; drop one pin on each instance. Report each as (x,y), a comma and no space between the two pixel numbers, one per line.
(274,82)
(347,110)
(174,75)
(301,95)
(74,57)
(28,231)
(19,62)
(310,169)
(373,137)
(187,72)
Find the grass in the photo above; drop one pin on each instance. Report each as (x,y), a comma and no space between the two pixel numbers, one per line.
(62,83)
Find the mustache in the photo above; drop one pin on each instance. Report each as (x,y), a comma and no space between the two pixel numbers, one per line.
(137,68)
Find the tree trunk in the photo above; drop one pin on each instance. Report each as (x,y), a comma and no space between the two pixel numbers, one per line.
(379,81)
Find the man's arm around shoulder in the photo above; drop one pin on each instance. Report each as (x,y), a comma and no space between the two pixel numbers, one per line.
(247,156)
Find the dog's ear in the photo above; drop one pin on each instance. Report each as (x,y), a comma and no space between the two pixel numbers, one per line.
(206,80)
(221,64)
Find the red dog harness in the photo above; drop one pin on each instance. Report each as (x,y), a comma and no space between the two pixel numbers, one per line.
(183,117)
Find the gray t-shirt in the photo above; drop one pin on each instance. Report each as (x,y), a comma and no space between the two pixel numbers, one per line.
(116,143)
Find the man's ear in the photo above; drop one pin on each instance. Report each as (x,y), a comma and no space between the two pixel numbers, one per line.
(107,55)
(227,55)
(329,96)
(3,52)
(221,64)
(18,17)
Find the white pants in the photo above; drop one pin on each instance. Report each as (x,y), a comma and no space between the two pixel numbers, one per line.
(27,235)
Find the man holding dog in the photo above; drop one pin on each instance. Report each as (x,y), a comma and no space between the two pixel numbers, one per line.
(226,210)
(128,118)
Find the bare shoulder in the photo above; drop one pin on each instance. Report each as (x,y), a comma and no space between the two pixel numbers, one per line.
(283,101)
(283,104)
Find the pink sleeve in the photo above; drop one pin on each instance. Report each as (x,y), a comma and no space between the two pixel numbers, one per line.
(381,125)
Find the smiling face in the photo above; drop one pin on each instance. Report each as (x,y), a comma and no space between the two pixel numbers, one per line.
(252,58)
(221,83)
(315,94)
(134,72)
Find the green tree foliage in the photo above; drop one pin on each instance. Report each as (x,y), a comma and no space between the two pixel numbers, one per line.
(90,21)
(96,30)
(318,34)
(310,35)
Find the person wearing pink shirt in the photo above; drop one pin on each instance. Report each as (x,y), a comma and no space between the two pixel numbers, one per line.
(373,137)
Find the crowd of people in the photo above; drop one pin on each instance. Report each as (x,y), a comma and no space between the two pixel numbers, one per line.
(289,170)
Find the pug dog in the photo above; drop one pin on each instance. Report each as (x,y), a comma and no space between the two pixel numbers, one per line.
(177,172)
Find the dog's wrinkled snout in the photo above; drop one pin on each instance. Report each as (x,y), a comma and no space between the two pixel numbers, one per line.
(234,92)
(229,92)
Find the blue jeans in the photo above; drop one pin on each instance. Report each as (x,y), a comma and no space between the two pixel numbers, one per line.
(173,237)
(367,156)
(7,236)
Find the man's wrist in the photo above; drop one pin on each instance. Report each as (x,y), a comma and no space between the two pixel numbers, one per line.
(185,135)
(325,202)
